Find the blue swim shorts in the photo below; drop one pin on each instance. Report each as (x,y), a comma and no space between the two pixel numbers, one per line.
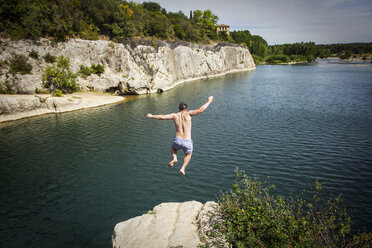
(185,144)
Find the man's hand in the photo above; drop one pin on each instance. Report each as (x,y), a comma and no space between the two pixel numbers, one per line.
(210,99)
(149,115)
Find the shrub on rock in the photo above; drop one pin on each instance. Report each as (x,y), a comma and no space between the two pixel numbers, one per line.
(49,58)
(33,54)
(19,64)
(59,76)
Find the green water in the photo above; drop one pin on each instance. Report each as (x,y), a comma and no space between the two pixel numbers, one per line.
(67,179)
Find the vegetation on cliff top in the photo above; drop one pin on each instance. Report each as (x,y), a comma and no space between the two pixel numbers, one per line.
(253,217)
(117,19)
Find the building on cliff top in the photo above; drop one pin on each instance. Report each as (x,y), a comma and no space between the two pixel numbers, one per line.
(223,28)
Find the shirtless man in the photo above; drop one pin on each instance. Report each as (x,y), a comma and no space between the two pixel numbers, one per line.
(182,139)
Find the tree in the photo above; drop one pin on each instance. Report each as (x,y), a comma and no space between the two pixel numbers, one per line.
(158,25)
(241,37)
(88,19)
(206,22)
(151,6)
(256,44)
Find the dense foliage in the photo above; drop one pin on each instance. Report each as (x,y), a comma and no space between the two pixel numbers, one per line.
(304,51)
(275,54)
(87,19)
(351,48)
(252,217)
(256,44)
(7,87)
(296,52)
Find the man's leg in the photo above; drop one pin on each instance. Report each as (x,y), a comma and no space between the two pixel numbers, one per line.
(174,155)
(186,161)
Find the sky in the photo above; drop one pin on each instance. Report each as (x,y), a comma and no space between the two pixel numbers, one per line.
(289,21)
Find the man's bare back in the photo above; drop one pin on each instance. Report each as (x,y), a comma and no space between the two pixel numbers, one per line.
(182,122)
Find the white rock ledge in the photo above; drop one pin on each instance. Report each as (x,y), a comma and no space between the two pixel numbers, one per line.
(167,225)
(14,107)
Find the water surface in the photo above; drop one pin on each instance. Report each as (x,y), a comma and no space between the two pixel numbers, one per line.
(67,179)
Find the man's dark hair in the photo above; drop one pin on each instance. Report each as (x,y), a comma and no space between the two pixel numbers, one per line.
(182,106)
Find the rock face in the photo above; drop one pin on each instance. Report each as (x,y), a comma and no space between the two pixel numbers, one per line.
(133,68)
(13,107)
(167,225)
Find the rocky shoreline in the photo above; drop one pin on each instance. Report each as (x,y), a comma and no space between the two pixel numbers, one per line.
(15,107)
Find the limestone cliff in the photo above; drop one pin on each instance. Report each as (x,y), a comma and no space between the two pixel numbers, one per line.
(138,67)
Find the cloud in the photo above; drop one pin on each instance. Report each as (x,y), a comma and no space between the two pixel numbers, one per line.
(289,21)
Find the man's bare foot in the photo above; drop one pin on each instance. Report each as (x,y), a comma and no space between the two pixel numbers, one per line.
(171,163)
(182,172)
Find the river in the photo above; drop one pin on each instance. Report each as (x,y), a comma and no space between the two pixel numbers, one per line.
(67,179)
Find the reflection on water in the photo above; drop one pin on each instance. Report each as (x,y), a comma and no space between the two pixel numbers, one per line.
(67,179)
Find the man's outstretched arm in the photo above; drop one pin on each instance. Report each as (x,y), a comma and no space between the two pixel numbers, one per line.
(161,117)
(202,108)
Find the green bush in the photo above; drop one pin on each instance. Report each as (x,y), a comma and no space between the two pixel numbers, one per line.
(97,69)
(257,59)
(155,44)
(19,64)
(89,32)
(33,54)
(85,71)
(276,59)
(59,76)
(7,87)
(345,55)
(252,217)
(310,58)
(57,93)
(49,58)
(298,58)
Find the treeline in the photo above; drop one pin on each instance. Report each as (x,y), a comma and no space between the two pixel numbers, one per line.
(263,53)
(354,48)
(344,51)
(296,52)
(117,19)
(310,51)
